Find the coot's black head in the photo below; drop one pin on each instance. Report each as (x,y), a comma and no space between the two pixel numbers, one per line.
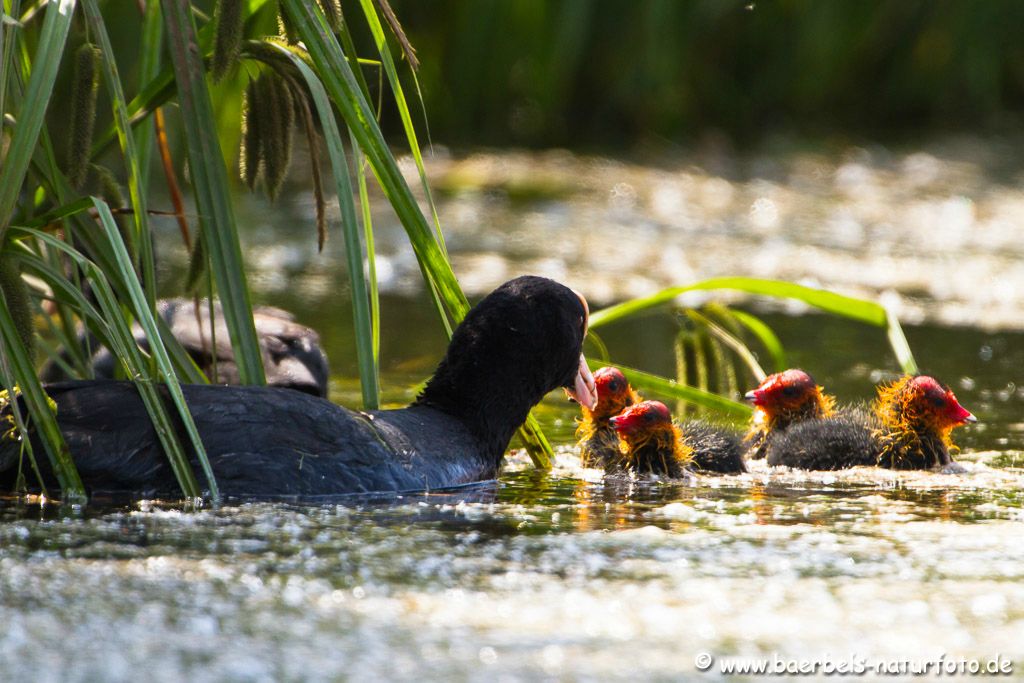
(521,341)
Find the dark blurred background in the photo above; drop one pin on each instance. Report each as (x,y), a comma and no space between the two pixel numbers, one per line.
(607,74)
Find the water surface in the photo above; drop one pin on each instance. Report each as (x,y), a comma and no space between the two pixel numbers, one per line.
(570,575)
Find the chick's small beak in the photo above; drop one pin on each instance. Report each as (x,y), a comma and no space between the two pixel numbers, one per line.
(584,390)
(753,396)
(960,414)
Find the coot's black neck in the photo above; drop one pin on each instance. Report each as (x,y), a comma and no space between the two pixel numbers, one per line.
(490,409)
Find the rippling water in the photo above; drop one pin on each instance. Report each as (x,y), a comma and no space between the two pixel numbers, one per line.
(568,575)
(562,576)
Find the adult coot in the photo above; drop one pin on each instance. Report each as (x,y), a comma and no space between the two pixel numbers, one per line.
(292,357)
(909,427)
(520,342)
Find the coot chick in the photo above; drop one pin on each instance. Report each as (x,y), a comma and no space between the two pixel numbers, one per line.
(292,357)
(652,442)
(520,342)
(908,428)
(599,444)
(781,400)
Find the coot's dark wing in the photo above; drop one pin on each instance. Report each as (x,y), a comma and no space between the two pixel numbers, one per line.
(831,443)
(715,449)
(261,442)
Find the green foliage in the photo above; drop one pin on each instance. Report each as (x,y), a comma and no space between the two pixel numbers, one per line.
(569,72)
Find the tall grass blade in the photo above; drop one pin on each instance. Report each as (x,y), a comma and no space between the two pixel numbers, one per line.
(849,307)
(47,58)
(365,356)
(136,187)
(731,341)
(212,192)
(345,93)
(403,108)
(151,49)
(899,344)
(111,328)
(23,373)
(845,306)
(147,320)
(766,336)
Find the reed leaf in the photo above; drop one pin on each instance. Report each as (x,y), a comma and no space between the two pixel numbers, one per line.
(212,192)
(730,340)
(45,63)
(110,326)
(141,235)
(346,94)
(151,49)
(23,375)
(860,310)
(365,356)
(766,336)
(377,30)
(899,344)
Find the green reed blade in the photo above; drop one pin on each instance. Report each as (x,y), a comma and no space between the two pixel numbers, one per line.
(113,330)
(860,310)
(365,356)
(144,314)
(129,154)
(899,344)
(211,188)
(731,341)
(341,85)
(45,64)
(150,51)
(765,335)
(377,30)
(857,309)
(24,376)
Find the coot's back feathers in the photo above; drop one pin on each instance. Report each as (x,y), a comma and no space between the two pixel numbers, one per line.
(516,345)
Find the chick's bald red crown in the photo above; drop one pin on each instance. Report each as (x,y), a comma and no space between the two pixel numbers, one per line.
(788,388)
(644,415)
(940,400)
